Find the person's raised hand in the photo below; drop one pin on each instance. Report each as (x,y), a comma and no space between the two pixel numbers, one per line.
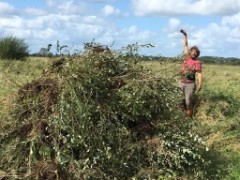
(183,32)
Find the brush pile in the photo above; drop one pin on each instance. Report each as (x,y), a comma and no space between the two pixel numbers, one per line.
(99,116)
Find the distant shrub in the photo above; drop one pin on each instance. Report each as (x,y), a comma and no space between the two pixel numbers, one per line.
(13,48)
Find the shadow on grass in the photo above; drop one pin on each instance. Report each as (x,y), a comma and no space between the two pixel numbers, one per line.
(234,170)
(218,167)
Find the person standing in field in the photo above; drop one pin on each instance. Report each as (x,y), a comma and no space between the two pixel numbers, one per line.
(191,67)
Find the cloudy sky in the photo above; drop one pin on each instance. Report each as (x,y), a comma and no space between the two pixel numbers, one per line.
(213,25)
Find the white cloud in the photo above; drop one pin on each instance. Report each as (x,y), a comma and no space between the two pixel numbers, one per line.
(94,20)
(231,20)
(184,7)
(133,34)
(6,8)
(99,1)
(11,22)
(35,12)
(70,7)
(174,24)
(52,3)
(172,28)
(110,10)
(47,34)
(66,6)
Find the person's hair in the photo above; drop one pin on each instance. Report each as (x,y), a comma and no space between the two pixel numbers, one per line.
(195,48)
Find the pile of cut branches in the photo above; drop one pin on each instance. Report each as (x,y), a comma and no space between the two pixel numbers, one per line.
(100,116)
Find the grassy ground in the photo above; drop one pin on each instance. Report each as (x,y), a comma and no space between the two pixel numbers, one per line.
(217,110)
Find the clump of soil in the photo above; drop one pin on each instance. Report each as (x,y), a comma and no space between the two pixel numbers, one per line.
(36,99)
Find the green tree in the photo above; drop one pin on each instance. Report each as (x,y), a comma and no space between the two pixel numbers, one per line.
(13,48)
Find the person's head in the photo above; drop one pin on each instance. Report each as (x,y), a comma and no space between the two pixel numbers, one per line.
(194,52)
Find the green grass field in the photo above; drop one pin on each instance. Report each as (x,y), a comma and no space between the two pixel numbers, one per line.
(217,111)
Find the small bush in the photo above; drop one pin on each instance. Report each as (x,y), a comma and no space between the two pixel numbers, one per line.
(13,48)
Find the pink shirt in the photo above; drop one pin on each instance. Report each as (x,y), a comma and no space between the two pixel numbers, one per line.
(193,65)
(190,67)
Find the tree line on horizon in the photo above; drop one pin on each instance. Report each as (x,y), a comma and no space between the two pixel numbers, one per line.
(14,48)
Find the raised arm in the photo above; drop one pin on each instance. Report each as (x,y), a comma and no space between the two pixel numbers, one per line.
(185,42)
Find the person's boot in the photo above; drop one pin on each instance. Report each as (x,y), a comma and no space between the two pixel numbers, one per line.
(182,105)
(190,112)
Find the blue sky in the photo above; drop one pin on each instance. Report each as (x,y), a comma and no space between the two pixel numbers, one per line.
(213,25)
